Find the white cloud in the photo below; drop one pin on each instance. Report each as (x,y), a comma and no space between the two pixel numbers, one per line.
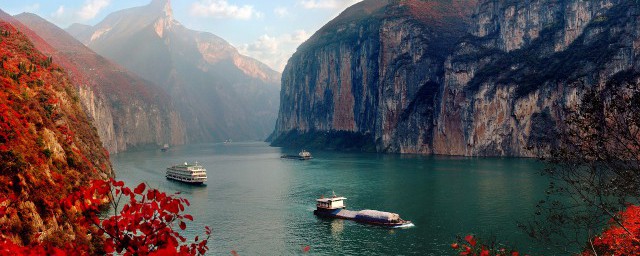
(62,16)
(281,11)
(275,51)
(327,4)
(59,13)
(91,8)
(222,9)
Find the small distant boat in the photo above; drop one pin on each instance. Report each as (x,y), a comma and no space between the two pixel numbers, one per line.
(187,173)
(227,141)
(334,207)
(164,148)
(303,155)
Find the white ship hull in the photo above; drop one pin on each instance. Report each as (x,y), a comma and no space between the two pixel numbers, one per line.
(196,182)
(187,173)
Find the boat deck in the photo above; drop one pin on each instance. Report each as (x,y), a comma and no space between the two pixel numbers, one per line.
(295,157)
(338,213)
(351,215)
(346,214)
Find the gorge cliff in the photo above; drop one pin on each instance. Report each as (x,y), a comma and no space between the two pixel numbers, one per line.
(127,110)
(48,146)
(220,93)
(475,78)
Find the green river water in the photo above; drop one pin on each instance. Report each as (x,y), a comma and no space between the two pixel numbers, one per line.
(259,204)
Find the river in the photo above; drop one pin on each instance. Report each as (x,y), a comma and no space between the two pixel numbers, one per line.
(259,204)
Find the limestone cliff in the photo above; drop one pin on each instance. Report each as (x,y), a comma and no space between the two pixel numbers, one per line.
(427,77)
(48,146)
(127,110)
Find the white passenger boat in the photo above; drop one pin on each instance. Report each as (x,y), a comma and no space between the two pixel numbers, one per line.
(188,173)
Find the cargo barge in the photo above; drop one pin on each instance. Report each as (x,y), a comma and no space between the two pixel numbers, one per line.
(334,207)
(303,155)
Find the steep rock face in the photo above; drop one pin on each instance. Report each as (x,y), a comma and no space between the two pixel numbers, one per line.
(48,147)
(220,93)
(364,70)
(499,89)
(127,110)
(507,85)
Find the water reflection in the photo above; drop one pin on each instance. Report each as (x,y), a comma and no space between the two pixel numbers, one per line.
(337,226)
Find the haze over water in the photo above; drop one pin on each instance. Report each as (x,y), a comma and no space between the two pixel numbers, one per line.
(259,204)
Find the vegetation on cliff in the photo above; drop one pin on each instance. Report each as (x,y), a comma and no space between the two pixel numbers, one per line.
(127,110)
(55,174)
(48,147)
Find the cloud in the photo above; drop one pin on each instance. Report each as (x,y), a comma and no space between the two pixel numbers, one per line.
(281,11)
(327,4)
(91,8)
(222,9)
(59,13)
(63,16)
(275,51)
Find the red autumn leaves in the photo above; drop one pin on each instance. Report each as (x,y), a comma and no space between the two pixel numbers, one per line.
(470,246)
(49,152)
(616,240)
(145,225)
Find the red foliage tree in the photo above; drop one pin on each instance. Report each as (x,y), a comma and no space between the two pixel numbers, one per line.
(145,225)
(619,239)
(472,247)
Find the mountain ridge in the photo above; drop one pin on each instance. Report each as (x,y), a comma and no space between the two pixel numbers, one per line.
(127,110)
(221,93)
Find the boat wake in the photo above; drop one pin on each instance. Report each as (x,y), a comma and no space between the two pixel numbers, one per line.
(408,225)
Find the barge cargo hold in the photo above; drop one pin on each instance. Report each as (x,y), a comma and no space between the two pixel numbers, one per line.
(334,207)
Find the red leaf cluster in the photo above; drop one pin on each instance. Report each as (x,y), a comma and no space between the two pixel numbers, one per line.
(620,238)
(144,225)
(616,240)
(470,246)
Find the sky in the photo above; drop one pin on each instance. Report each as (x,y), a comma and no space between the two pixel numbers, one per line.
(268,30)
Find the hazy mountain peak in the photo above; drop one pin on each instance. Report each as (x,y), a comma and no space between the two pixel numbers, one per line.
(163,6)
(158,13)
(165,17)
(222,93)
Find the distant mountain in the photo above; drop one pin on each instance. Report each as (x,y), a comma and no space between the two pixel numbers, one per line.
(126,109)
(48,146)
(220,93)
